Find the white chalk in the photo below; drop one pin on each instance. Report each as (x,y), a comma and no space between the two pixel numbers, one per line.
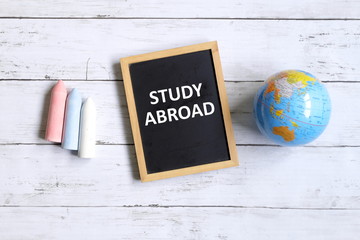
(87,137)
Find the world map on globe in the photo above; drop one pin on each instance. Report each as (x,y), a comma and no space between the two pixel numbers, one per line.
(292,108)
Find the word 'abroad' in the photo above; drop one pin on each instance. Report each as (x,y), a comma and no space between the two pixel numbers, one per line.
(183,112)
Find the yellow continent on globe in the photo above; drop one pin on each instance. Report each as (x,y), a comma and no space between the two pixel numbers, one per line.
(294,124)
(279,112)
(296,76)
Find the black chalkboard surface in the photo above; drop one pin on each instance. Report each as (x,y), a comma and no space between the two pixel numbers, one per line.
(178,110)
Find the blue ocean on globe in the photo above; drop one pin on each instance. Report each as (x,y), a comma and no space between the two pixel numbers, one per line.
(292,108)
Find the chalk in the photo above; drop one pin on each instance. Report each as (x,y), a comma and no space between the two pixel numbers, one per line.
(55,121)
(70,138)
(87,137)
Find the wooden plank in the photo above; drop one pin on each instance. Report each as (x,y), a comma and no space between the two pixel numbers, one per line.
(182,9)
(24,121)
(177,223)
(250,50)
(303,177)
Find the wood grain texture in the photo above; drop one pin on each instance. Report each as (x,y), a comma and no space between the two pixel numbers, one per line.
(170,223)
(181,9)
(276,193)
(276,177)
(250,50)
(31,99)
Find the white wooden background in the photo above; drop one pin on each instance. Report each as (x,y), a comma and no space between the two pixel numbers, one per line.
(310,192)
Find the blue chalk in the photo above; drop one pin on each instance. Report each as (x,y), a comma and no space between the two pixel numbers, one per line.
(70,138)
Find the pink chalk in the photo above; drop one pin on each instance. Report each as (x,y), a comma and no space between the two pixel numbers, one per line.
(55,121)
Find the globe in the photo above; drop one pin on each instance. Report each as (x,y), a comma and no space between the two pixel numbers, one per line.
(292,108)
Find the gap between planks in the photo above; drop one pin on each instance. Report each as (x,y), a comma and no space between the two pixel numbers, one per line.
(185,18)
(99,143)
(120,80)
(184,206)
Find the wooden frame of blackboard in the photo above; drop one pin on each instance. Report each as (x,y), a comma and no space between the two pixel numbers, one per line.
(125,67)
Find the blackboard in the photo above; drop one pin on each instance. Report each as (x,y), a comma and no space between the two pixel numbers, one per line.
(179,113)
